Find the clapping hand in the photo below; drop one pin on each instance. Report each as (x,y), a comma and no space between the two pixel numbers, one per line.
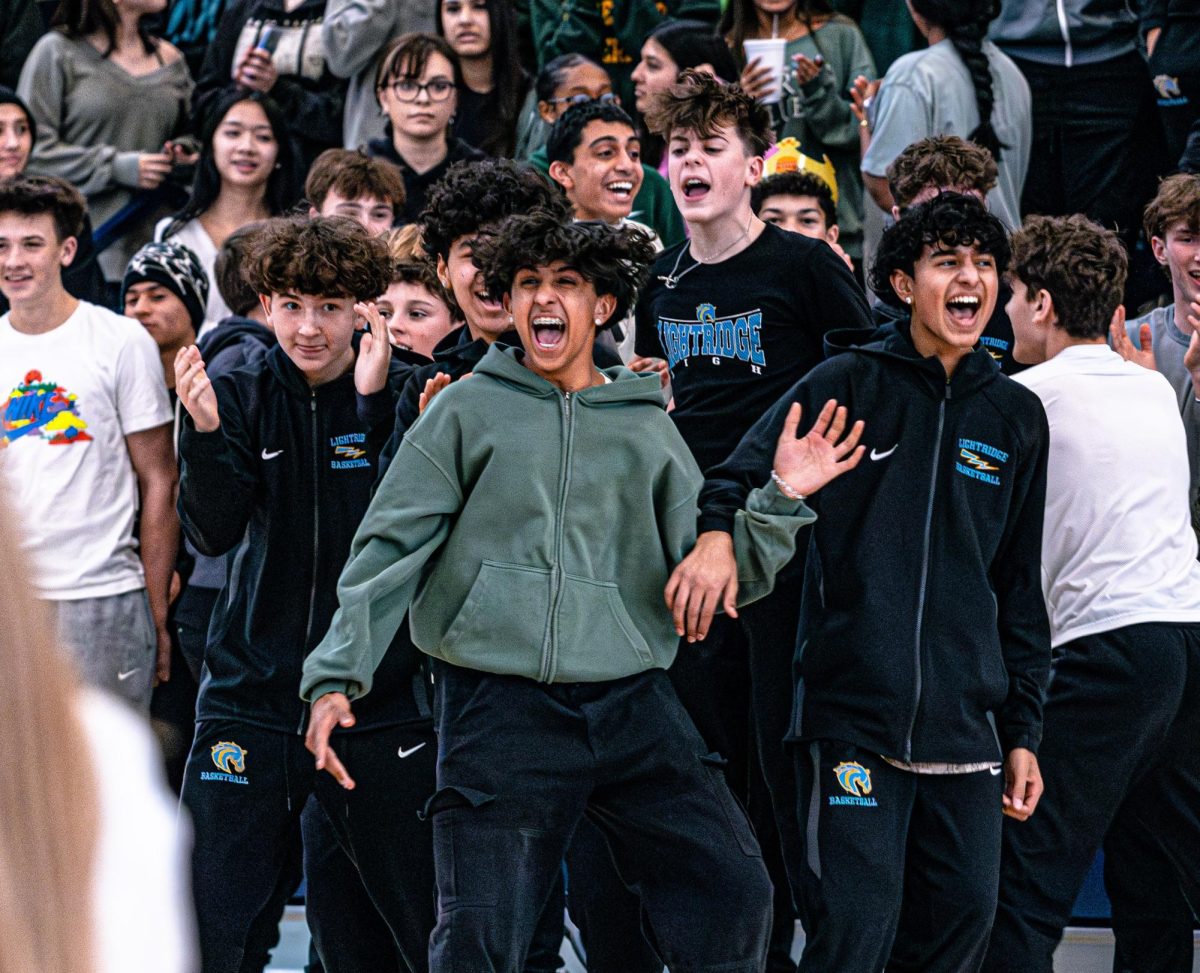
(808,464)
(374,353)
(195,390)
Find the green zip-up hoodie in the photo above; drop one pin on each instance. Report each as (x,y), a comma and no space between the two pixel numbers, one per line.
(532,532)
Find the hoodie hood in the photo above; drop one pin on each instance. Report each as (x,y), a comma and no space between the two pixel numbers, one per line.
(893,340)
(235,330)
(504,364)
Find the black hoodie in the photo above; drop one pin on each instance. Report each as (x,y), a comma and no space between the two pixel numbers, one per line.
(923,632)
(281,488)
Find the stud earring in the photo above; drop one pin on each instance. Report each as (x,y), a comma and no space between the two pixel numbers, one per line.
(908,300)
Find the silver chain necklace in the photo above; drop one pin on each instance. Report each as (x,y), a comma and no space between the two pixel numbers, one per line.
(671,280)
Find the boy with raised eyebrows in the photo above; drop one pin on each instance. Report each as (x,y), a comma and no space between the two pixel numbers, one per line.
(549,642)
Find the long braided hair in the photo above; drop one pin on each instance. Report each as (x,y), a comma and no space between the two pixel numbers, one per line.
(966,23)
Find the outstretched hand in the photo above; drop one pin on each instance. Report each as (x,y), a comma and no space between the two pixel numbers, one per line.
(1121,344)
(432,387)
(822,455)
(329,711)
(374,353)
(195,391)
(1191,357)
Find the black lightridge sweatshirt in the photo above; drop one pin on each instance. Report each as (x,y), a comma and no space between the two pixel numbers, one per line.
(923,632)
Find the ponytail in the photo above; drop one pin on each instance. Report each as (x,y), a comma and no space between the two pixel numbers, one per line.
(966,23)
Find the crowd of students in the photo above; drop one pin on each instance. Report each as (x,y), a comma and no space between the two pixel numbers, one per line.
(548,460)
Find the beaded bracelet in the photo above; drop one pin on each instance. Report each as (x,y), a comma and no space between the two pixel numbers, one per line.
(786,488)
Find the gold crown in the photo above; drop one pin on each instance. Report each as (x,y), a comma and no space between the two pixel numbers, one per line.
(785,156)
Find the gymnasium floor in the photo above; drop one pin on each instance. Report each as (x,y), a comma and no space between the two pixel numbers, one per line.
(1082,950)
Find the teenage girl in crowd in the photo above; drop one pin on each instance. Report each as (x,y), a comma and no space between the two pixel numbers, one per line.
(963,85)
(276,47)
(417,84)
(107,97)
(825,52)
(671,48)
(247,173)
(483,33)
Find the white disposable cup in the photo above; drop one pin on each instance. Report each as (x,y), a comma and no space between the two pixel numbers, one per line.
(770,52)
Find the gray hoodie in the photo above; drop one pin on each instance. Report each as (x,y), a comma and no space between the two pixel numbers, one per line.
(354,32)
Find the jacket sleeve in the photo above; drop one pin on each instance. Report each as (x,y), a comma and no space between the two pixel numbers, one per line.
(313,108)
(407,412)
(354,31)
(1153,15)
(406,523)
(566,27)
(44,85)
(218,476)
(1021,608)
(728,484)
(825,101)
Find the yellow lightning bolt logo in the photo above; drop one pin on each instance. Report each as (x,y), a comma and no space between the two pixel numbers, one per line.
(977,461)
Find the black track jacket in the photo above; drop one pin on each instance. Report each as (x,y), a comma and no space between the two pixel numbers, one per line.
(281,488)
(923,632)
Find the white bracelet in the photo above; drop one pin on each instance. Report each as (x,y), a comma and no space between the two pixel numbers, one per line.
(786,488)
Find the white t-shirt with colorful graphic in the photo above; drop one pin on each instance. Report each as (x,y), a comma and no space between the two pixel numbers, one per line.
(68,399)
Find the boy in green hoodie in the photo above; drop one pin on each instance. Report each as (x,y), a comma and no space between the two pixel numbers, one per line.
(532,527)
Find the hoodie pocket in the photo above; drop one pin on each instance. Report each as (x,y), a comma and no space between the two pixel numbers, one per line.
(505,611)
(595,631)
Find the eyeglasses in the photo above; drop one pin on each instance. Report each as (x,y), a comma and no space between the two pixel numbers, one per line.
(609,98)
(408,90)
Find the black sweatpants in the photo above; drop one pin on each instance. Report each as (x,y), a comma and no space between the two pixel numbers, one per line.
(900,869)
(246,787)
(1119,757)
(1097,145)
(519,764)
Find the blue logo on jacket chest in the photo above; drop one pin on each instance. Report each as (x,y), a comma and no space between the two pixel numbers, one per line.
(979,461)
(349,452)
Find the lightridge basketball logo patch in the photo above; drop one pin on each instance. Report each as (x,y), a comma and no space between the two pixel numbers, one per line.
(230,760)
(855,780)
(44,410)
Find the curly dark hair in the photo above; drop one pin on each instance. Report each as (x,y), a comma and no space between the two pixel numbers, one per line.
(1079,263)
(326,256)
(941,161)
(699,102)
(795,184)
(948,220)
(473,195)
(615,259)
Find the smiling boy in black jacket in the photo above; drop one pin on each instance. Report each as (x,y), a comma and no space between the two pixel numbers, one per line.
(923,647)
(277,465)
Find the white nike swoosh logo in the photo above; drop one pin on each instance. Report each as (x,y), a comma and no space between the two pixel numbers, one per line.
(994,771)
(125,675)
(876,455)
(266,455)
(402,753)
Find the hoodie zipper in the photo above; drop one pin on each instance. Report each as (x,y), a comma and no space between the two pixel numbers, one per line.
(312,592)
(921,591)
(550,640)
(1064,28)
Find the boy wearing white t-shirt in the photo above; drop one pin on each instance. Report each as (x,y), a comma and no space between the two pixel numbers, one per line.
(1122,584)
(84,432)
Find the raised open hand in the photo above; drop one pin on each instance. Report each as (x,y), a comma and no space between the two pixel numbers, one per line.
(1121,344)
(375,352)
(807,464)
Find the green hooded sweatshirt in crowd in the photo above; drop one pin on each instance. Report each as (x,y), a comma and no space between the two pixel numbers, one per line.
(530,532)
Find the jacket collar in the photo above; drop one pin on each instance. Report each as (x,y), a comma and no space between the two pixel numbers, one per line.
(503,363)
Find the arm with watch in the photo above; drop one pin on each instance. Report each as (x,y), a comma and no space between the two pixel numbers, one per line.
(772,451)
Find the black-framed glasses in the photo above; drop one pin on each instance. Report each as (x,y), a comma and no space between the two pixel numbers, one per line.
(408,90)
(610,98)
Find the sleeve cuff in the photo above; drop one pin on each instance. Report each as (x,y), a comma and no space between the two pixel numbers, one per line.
(324,687)
(125,169)
(769,499)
